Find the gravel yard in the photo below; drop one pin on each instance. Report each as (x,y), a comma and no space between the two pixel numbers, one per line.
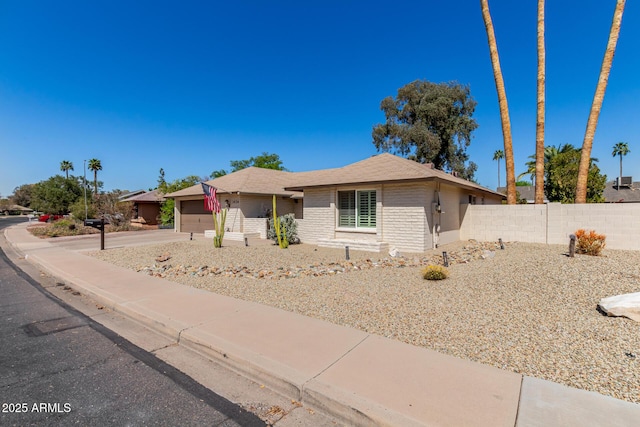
(528,309)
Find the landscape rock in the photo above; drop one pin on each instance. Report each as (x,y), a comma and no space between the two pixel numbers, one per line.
(627,305)
(468,253)
(487,254)
(164,257)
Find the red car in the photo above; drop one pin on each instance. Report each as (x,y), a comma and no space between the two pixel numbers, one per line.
(49,217)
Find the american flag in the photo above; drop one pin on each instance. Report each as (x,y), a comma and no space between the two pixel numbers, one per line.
(210,198)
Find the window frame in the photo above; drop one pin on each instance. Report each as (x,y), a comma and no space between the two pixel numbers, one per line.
(354,204)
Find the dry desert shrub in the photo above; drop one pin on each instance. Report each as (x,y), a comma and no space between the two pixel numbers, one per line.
(589,242)
(434,272)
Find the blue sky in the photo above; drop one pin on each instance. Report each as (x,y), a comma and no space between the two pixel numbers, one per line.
(189,86)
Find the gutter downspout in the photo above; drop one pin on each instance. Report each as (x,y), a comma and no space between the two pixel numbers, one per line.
(435,210)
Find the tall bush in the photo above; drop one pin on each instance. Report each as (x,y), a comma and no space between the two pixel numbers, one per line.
(77,209)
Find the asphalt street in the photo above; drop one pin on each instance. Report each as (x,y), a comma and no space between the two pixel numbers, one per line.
(59,367)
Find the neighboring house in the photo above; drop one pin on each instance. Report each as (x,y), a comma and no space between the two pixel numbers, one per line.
(16,210)
(526,192)
(248,195)
(129,194)
(386,201)
(146,206)
(627,192)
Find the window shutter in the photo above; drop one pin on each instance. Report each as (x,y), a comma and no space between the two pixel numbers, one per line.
(366,209)
(346,208)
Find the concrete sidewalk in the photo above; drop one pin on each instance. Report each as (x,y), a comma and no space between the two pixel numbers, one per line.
(359,378)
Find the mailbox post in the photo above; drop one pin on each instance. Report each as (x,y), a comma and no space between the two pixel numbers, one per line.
(99,224)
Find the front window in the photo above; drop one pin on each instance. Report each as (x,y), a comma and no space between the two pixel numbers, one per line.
(357,209)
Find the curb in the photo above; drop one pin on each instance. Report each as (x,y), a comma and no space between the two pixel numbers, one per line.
(231,332)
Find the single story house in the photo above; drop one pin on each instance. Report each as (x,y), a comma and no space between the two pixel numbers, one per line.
(626,192)
(525,193)
(376,204)
(146,206)
(386,202)
(248,196)
(127,194)
(15,210)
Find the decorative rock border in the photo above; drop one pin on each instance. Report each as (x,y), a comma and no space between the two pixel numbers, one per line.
(470,252)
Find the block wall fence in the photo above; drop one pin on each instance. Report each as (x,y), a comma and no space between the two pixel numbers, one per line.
(552,223)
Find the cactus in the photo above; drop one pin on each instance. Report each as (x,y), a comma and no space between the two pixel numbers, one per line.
(290,228)
(219,228)
(280,229)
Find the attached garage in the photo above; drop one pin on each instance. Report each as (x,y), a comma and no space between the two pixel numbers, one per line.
(193,217)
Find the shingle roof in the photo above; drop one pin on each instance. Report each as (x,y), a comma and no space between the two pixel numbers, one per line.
(527,192)
(19,208)
(130,194)
(380,169)
(251,180)
(376,169)
(614,194)
(149,196)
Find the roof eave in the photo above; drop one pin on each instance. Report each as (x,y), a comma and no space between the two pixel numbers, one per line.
(379,182)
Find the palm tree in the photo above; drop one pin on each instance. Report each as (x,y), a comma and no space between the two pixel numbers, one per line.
(95,166)
(502,102)
(66,166)
(547,154)
(499,154)
(539,181)
(598,97)
(620,149)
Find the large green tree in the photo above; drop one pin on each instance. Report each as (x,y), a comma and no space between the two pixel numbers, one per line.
(264,160)
(561,176)
(22,195)
(5,204)
(55,195)
(429,123)
(548,153)
(218,173)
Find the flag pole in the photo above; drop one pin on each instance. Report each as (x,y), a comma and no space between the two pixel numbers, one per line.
(212,204)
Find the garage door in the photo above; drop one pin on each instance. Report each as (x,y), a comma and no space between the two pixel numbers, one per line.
(193,218)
